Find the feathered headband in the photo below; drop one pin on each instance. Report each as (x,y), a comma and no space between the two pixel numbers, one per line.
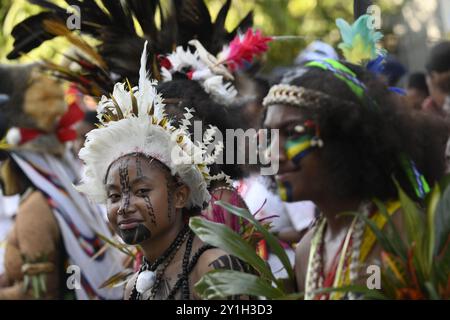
(215,73)
(133,120)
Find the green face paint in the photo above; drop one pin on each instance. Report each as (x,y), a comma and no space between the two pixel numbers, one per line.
(298,148)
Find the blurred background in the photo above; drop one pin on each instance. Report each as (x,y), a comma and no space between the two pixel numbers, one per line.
(410,27)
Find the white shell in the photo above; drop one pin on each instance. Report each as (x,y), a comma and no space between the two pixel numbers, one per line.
(145,281)
(13,136)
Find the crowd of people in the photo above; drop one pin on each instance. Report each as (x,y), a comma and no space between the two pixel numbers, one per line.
(107,163)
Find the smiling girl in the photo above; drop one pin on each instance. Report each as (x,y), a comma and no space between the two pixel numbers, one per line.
(152,178)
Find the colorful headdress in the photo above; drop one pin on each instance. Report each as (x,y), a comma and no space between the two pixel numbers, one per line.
(37,113)
(116,27)
(215,73)
(133,120)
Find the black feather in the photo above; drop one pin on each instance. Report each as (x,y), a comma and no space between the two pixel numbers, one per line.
(145,12)
(120,46)
(30,33)
(120,16)
(193,22)
(222,15)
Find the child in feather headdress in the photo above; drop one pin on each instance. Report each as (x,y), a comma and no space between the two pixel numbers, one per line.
(153,178)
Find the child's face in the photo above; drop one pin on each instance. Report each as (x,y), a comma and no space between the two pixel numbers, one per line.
(142,200)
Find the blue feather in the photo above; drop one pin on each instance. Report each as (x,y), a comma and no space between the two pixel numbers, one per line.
(376,65)
(398,90)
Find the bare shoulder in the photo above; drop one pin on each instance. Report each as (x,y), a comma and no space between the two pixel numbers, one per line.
(217,259)
(36,226)
(302,258)
(129,287)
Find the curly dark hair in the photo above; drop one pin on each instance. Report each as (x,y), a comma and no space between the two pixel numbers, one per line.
(364,140)
(191,95)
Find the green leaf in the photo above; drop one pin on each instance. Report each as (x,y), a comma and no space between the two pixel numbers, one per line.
(42,283)
(293,296)
(431,227)
(218,284)
(382,239)
(393,235)
(432,293)
(442,223)
(413,218)
(357,289)
(415,231)
(224,238)
(272,241)
(26,283)
(35,286)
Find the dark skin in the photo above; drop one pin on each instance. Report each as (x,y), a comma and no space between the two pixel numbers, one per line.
(309,181)
(139,202)
(437,94)
(415,98)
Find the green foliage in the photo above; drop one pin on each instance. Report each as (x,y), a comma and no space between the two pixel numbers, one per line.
(223,283)
(417,267)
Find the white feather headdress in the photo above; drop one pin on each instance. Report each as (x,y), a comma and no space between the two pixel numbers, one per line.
(215,73)
(134,121)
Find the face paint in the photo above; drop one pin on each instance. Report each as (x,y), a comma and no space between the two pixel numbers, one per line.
(148,203)
(125,185)
(298,148)
(150,210)
(169,199)
(138,166)
(285,191)
(135,235)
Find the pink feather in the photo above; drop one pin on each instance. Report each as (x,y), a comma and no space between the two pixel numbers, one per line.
(244,49)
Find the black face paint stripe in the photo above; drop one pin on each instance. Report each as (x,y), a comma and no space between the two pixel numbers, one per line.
(125,184)
(169,199)
(150,209)
(139,166)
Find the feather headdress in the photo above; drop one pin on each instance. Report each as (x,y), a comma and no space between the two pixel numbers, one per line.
(116,26)
(359,40)
(133,120)
(215,73)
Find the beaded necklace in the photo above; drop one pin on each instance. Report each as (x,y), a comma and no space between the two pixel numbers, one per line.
(356,247)
(349,248)
(166,258)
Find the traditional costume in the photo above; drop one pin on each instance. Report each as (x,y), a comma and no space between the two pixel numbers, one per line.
(56,230)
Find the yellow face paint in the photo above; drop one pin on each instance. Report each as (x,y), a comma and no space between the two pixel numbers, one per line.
(299,147)
(285,191)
